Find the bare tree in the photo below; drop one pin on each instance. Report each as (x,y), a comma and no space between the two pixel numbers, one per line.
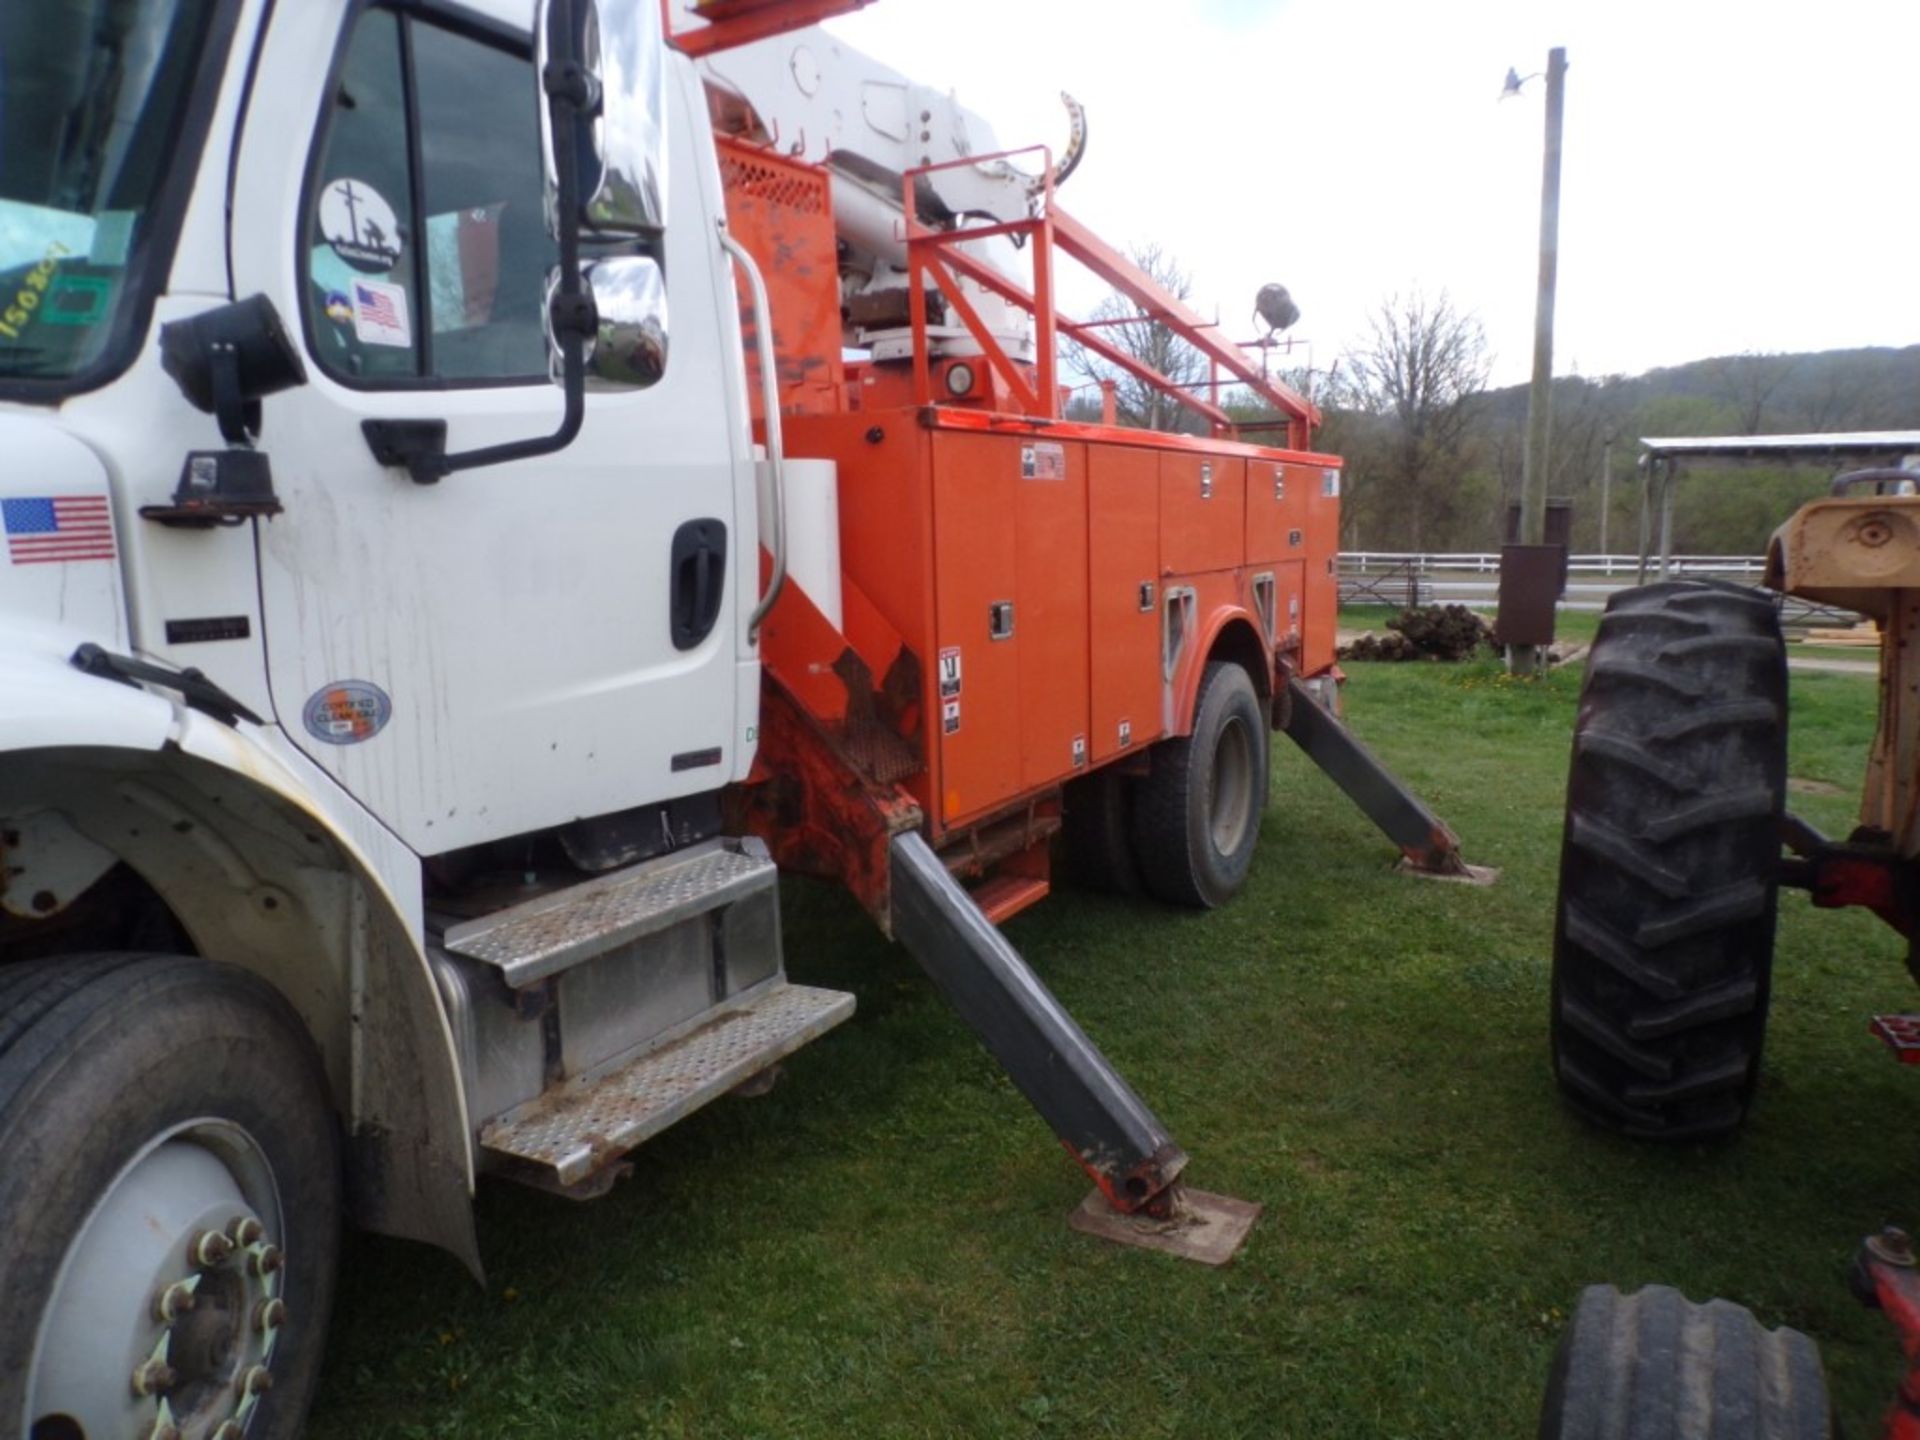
(1747,382)
(1151,342)
(1417,372)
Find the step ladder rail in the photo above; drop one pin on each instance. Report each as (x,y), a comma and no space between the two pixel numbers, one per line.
(1098,1117)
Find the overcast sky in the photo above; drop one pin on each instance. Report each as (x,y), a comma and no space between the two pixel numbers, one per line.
(1736,176)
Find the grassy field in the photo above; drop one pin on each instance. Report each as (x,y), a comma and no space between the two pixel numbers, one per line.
(879,1248)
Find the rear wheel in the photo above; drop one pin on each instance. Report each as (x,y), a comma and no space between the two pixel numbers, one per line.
(1663,947)
(1655,1366)
(170,1209)
(1098,832)
(1196,815)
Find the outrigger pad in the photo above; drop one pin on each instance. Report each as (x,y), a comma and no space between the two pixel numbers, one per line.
(1203,1226)
(1480,876)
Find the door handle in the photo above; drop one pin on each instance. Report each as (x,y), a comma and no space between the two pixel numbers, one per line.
(696,576)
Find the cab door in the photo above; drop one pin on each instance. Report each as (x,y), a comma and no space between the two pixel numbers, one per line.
(504,650)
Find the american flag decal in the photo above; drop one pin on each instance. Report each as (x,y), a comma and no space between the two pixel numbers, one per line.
(58,528)
(377,307)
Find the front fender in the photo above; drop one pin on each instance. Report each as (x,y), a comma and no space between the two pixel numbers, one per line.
(246,821)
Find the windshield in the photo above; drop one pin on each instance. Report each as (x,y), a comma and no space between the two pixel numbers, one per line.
(92,101)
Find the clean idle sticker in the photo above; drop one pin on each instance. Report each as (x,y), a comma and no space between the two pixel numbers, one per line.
(347,712)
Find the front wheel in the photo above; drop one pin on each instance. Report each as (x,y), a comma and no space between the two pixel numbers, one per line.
(1196,815)
(170,1205)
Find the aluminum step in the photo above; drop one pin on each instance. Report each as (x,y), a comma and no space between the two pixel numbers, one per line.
(577,1128)
(542,937)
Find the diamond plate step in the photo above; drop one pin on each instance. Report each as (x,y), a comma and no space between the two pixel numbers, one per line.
(579,1127)
(556,932)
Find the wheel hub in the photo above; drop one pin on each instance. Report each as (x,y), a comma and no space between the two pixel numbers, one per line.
(167,1307)
(1233,771)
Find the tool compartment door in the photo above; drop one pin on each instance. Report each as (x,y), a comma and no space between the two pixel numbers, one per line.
(1123,555)
(1277,512)
(976,495)
(1202,512)
(1050,539)
(1321,601)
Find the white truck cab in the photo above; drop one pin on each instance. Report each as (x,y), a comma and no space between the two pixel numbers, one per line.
(341,649)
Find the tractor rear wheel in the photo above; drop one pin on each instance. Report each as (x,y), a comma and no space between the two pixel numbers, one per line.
(1663,946)
(1656,1366)
(1196,815)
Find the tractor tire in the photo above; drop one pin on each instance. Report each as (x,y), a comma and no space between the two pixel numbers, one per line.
(1196,815)
(1097,830)
(1655,1366)
(1663,943)
(172,1178)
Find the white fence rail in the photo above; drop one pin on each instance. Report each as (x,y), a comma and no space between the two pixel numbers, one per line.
(1406,578)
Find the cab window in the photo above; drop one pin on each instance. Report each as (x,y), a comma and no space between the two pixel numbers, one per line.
(427,262)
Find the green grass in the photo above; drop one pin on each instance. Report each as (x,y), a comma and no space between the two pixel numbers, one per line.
(879,1248)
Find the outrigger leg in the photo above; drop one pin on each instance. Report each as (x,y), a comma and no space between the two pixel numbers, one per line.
(1104,1125)
(1429,848)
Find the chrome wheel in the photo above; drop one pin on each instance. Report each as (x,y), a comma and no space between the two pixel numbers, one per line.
(167,1307)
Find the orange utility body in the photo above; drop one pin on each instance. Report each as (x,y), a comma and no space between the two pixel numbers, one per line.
(1025,598)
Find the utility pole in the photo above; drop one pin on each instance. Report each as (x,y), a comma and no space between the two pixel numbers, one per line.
(1606,483)
(1522,659)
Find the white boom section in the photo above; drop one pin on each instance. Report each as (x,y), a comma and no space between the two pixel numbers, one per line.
(816,98)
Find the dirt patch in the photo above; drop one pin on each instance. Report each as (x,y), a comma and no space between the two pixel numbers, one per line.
(1797,786)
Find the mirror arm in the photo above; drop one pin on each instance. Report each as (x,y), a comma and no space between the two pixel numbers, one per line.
(420,447)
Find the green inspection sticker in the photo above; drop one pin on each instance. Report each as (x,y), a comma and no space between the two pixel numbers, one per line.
(77,300)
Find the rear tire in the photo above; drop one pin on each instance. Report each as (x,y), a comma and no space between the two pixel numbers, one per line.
(1196,816)
(1663,944)
(147,1101)
(1655,1366)
(1097,825)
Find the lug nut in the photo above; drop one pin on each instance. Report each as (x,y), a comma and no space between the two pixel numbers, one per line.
(265,1260)
(211,1250)
(153,1377)
(269,1315)
(245,1230)
(173,1302)
(256,1381)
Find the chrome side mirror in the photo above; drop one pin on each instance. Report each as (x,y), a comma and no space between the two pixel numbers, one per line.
(628,350)
(621,146)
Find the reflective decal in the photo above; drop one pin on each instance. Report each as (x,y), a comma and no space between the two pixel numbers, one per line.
(347,712)
(357,221)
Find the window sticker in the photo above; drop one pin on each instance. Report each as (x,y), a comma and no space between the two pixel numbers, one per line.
(338,308)
(31,233)
(357,221)
(112,238)
(77,300)
(380,314)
